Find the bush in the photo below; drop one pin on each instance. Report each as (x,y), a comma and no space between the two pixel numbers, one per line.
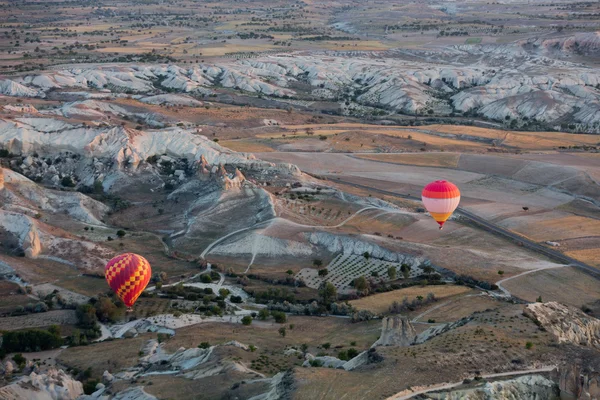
(315,363)
(247,320)
(279,316)
(263,314)
(204,345)
(120,233)
(352,352)
(236,299)
(205,278)
(528,345)
(19,359)
(89,387)
(67,182)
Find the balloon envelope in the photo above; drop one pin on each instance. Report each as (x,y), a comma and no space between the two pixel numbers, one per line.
(128,275)
(440,198)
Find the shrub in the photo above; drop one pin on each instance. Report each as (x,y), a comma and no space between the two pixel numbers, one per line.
(352,352)
(279,316)
(528,345)
(315,363)
(67,182)
(204,345)
(247,320)
(120,233)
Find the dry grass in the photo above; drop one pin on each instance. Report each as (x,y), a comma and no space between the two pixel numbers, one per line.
(54,317)
(10,298)
(447,160)
(523,140)
(458,308)
(246,146)
(567,285)
(379,303)
(589,256)
(566,227)
(111,356)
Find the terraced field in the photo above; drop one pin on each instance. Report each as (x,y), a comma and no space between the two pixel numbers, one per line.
(344,269)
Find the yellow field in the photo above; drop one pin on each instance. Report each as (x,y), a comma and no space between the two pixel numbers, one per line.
(380,303)
(301,133)
(126,50)
(246,146)
(448,160)
(562,228)
(524,140)
(589,256)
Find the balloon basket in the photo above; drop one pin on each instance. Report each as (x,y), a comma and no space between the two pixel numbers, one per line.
(129,309)
(441,227)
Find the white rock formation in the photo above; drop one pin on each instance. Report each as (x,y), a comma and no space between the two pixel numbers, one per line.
(396,331)
(53,385)
(357,246)
(531,387)
(566,324)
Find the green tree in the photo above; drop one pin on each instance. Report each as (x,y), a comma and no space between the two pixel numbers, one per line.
(86,316)
(428,269)
(328,293)
(304,348)
(539,299)
(361,284)
(352,352)
(405,269)
(120,233)
(263,314)
(279,316)
(282,331)
(247,320)
(391,273)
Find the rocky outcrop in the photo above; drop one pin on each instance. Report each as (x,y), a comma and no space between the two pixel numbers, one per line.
(578,381)
(440,329)
(24,229)
(54,150)
(54,384)
(282,387)
(357,246)
(532,387)
(1,178)
(396,331)
(566,324)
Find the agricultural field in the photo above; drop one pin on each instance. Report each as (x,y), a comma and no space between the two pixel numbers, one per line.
(344,269)
(379,303)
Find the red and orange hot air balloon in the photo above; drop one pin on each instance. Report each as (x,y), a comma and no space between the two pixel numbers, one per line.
(440,198)
(128,275)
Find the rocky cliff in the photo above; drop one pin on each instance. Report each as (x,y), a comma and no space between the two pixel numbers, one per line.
(53,385)
(566,324)
(396,331)
(533,387)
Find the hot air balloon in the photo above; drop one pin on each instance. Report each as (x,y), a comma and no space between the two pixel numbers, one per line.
(127,275)
(440,198)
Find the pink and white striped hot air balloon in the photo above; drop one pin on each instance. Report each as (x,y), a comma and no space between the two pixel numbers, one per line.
(440,198)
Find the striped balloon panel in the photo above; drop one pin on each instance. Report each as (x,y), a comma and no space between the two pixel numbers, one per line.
(440,198)
(128,275)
